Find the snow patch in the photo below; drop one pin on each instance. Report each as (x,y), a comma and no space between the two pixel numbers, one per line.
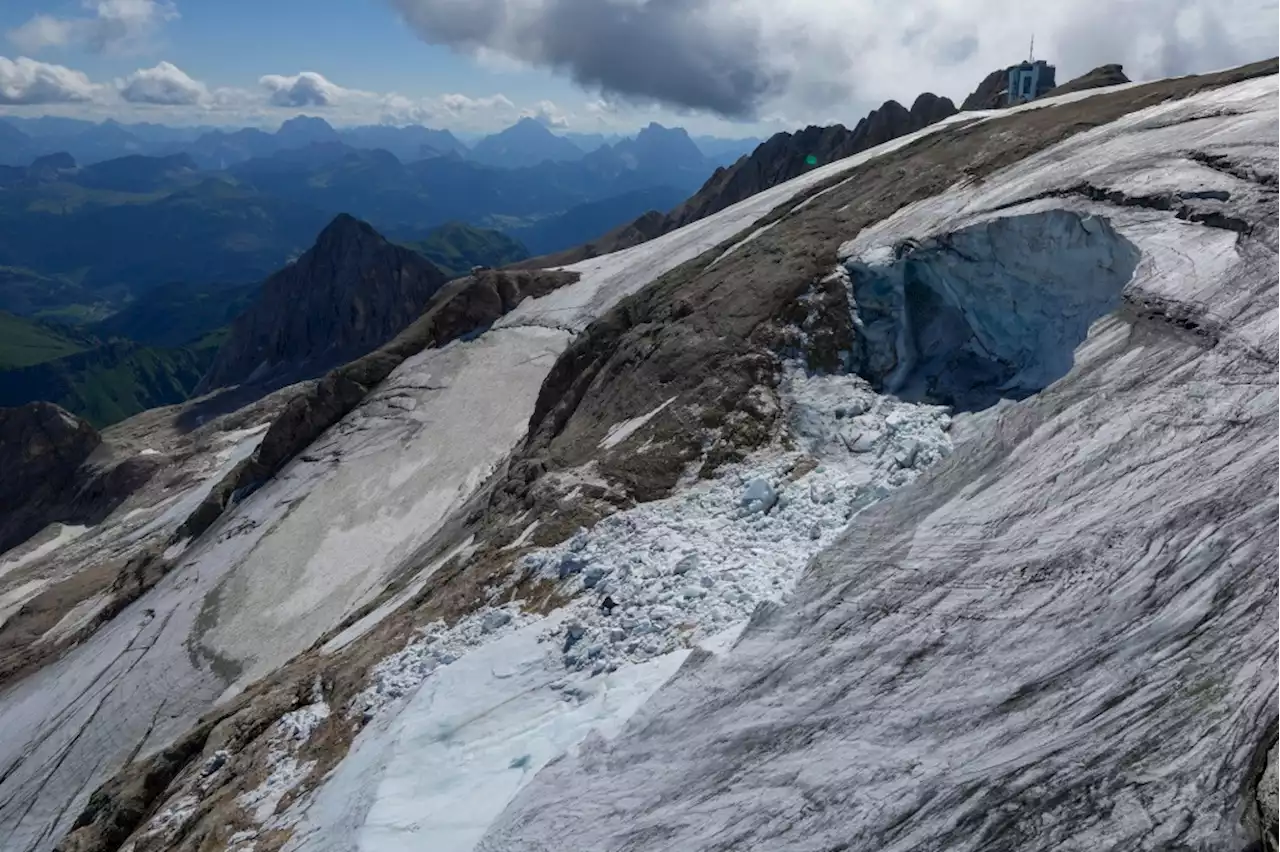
(620,432)
(66,533)
(176,549)
(12,600)
(77,617)
(374,618)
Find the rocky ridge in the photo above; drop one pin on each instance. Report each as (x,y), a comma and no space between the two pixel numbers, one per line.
(777,160)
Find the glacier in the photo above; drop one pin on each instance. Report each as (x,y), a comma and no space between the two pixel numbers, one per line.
(1063,636)
(292,559)
(1043,621)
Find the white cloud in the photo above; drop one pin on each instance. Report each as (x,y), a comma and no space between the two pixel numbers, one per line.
(304,89)
(25,81)
(547,113)
(165,84)
(114,26)
(459,104)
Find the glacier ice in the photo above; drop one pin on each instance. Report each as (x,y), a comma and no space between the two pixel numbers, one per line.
(1062,638)
(994,310)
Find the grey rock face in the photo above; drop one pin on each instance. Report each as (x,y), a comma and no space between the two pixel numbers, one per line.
(347,295)
(41,448)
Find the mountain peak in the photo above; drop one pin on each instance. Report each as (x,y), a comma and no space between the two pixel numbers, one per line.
(525,143)
(343,234)
(306,121)
(346,295)
(306,129)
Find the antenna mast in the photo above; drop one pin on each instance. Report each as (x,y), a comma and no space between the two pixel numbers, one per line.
(1031,54)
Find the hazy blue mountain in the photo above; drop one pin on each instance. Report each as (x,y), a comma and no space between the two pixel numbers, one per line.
(137,173)
(589,142)
(15,146)
(303,130)
(220,149)
(725,152)
(657,156)
(586,222)
(455,248)
(407,143)
(528,142)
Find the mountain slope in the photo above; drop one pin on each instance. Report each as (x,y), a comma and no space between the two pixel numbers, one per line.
(455,248)
(582,223)
(347,294)
(112,381)
(24,342)
(682,429)
(177,314)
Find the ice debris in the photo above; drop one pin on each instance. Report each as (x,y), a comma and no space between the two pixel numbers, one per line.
(691,565)
(434,645)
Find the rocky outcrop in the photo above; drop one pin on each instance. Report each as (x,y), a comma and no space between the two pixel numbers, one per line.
(1103,75)
(347,295)
(41,449)
(777,160)
(989,94)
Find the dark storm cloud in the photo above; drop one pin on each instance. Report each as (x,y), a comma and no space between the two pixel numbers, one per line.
(680,52)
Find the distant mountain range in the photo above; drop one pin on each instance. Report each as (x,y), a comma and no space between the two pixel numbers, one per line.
(79,241)
(527,143)
(156,349)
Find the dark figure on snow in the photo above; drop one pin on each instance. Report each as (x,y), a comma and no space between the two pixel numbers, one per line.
(607,605)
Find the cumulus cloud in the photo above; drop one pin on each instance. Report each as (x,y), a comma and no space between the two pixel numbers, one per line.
(459,104)
(300,90)
(737,57)
(25,81)
(113,26)
(547,113)
(165,84)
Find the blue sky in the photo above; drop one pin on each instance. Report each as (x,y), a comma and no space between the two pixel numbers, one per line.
(728,67)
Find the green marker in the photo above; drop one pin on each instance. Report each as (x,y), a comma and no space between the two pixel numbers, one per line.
(811,160)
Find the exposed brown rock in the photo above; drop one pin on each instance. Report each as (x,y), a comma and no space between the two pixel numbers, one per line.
(348,294)
(1103,75)
(988,95)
